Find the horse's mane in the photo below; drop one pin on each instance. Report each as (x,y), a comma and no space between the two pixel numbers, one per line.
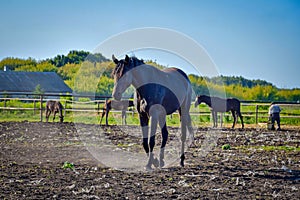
(136,61)
(133,62)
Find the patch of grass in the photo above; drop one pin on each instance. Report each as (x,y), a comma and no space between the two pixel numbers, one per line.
(226,147)
(280,148)
(270,148)
(67,165)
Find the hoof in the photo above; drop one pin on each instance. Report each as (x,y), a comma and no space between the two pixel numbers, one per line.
(148,168)
(161,163)
(182,163)
(156,162)
(182,160)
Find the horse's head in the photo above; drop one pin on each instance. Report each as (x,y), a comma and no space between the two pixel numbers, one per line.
(199,99)
(60,108)
(122,74)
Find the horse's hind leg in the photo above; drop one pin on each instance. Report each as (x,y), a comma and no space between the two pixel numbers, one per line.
(106,116)
(183,138)
(103,113)
(185,123)
(241,117)
(234,118)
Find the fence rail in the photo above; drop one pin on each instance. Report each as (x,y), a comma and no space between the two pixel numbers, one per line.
(73,104)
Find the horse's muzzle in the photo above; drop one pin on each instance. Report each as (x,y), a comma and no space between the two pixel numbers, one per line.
(117,96)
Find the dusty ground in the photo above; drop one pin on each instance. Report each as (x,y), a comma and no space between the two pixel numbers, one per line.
(259,165)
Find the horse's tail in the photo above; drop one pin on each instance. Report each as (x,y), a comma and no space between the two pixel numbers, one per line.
(188,124)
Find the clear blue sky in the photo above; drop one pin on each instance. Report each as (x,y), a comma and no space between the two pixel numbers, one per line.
(255,39)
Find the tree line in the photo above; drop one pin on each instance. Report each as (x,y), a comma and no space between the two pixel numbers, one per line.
(86,72)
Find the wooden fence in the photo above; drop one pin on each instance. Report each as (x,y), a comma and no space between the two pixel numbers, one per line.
(71,103)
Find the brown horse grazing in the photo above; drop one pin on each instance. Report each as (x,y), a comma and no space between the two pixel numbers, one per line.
(116,105)
(159,93)
(55,107)
(221,105)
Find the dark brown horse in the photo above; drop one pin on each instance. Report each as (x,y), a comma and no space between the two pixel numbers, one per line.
(55,107)
(159,93)
(221,105)
(116,105)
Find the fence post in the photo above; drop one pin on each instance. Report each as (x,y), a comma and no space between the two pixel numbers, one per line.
(34,107)
(65,108)
(256,114)
(41,107)
(221,119)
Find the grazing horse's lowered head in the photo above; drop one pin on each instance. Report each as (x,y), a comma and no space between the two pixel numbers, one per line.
(55,107)
(159,93)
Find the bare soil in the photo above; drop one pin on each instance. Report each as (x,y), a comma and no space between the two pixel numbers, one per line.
(260,164)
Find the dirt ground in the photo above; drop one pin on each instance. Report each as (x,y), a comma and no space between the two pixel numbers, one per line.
(260,164)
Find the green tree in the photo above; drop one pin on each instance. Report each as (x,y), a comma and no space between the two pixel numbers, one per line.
(41,67)
(13,63)
(38,91)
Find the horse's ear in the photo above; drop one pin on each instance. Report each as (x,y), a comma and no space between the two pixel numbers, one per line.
(126,59)
(115,59)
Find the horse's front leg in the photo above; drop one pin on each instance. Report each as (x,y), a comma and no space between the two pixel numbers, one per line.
(152,159)
(215,118)
(48,112)
(164,133)
(54,115)
(144,121)
(123,117)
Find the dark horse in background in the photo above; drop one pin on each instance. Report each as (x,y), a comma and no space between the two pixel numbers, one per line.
(116,105)
(158,93)
(54,107)
(221,105)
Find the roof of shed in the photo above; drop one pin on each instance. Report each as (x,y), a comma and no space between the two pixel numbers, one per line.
(50,82)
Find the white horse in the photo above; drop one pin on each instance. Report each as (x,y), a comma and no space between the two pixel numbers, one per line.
(159,93)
